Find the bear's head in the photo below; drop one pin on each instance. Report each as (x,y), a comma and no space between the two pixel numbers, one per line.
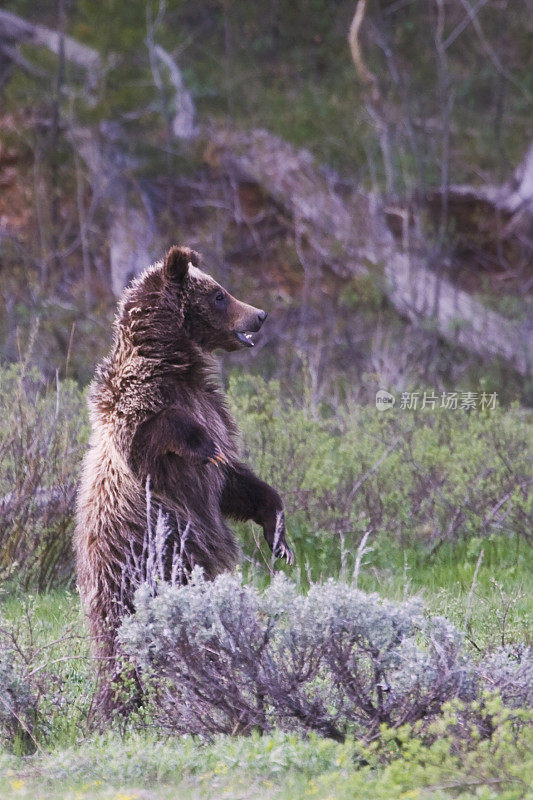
(175,297)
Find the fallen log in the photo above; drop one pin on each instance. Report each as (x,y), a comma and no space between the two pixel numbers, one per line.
(509,198)
(350,234)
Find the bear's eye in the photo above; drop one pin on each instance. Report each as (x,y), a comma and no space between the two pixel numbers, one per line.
(219,298)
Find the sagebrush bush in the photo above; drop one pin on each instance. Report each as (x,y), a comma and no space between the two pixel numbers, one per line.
(221,657)
(509,671)
(43,430)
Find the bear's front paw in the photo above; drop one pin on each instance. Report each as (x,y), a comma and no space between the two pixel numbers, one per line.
(284,551)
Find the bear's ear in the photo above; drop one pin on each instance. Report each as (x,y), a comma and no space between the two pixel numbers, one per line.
(177,262)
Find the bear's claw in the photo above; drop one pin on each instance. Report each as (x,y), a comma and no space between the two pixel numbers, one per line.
(283,551)
(219,457)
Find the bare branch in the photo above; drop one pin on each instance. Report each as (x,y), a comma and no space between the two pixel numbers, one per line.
(183,120)
(368,79)
(376,112)
(491,53)
(17,29)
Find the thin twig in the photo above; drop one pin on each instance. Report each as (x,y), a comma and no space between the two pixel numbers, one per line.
(57,661)
(22,724)
(361,551)
(355,488)
(473,586)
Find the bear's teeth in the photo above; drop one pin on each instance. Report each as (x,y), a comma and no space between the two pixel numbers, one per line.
(245,337)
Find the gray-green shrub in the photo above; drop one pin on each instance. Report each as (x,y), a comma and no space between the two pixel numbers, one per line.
(509,671)
(223,657)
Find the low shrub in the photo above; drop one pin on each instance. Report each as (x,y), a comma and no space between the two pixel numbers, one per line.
(18,703)
(509,671)
(397,764)
(221,657)
(417,478)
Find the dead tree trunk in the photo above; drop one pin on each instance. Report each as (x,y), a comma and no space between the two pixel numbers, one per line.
(132,230)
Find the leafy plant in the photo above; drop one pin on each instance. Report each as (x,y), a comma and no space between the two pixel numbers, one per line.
(425,476)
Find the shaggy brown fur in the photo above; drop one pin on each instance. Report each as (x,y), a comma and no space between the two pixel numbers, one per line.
(156,410)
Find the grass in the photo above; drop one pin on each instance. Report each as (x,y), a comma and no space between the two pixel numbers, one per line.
(146,767)
(481,579)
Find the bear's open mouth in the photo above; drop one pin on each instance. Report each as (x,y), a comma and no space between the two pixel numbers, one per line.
(245,337)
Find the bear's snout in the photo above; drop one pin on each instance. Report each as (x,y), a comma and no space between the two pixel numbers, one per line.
(248,323)
(252,322)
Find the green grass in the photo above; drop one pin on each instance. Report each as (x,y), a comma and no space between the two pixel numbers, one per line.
(287,67)
(50,631)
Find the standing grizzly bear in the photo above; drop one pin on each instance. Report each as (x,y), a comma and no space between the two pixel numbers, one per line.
(157,414)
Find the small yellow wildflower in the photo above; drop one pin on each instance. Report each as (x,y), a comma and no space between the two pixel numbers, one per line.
(16,784)
(221,768)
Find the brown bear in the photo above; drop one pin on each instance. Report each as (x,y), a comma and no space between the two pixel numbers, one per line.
(158,413)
